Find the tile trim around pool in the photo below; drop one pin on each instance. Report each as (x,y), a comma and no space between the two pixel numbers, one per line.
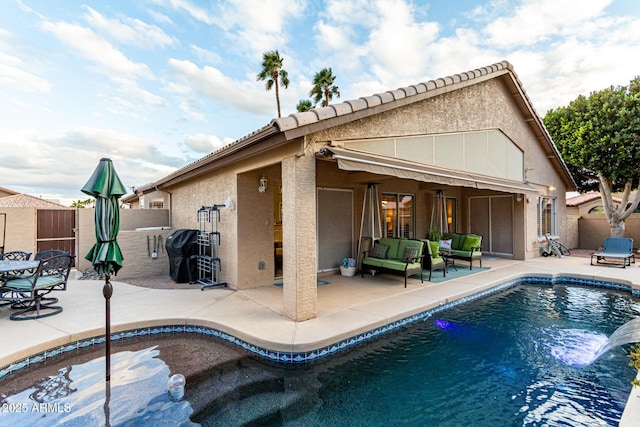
(301,357)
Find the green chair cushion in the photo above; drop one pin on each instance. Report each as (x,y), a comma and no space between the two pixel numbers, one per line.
(42,283)
(471,241)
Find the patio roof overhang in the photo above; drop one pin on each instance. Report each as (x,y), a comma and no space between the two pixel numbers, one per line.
(354,160)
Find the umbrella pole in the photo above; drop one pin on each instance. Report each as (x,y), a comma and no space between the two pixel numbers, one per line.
(107,291)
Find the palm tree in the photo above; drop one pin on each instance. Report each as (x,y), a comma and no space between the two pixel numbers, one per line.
(273,73)
(323,87)
(304,105)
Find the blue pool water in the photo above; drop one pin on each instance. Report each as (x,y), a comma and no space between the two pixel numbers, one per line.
(508,359)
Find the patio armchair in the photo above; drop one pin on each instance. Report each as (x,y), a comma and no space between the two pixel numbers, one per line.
(616,251)
(48,254)
(15,256)
(434,260)
(27,293)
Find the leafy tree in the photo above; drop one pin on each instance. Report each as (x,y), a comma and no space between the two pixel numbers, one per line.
(323,87)
(82,203)
(304,105)
(599,138)
(273,73)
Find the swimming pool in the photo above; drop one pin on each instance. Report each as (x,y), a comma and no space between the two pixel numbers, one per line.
(505,359)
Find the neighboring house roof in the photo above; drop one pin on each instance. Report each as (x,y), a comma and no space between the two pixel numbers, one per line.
(8,191)
(581,199)
(27,201)
(296,125)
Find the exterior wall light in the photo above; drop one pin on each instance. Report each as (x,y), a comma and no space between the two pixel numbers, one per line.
(263,184)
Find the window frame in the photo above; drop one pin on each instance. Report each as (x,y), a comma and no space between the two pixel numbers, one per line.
(396,215)
(552,221)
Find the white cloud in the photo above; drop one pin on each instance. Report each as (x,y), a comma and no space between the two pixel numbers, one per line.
(48,164)
(12,74)
(246,95)
(204,55)
(534,21)
(97,50)
(128,30)
(258,26)
(160,18)
(204,144)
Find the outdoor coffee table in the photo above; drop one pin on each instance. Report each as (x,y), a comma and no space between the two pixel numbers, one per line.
(449,259)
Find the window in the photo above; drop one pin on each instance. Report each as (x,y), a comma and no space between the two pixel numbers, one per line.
(452,214)
(397,214)
(156,204)
(546,216)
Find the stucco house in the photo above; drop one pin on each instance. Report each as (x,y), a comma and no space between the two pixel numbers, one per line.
(298,183)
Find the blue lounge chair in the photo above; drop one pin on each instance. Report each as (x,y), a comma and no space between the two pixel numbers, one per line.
(617,251)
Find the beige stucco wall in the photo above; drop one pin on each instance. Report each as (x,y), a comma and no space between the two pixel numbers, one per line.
(21,229)
(133,244)
(573,232)
(487,105)
(594,228)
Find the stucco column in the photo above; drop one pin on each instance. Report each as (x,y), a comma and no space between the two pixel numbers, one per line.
(299,237)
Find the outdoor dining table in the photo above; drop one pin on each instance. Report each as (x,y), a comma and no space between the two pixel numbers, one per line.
(17,266)
(14,267)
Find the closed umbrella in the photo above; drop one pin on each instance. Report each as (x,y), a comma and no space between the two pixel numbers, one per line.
(105,255)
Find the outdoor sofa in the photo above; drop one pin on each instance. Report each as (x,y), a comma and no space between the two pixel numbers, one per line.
(396,256)
(466,247)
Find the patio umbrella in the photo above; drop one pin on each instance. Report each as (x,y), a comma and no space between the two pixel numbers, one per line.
(105,255)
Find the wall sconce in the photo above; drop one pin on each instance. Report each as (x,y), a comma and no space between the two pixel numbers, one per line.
(518,198)
(263,184)
(551,188)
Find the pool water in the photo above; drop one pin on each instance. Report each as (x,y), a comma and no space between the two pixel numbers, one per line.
(511,358)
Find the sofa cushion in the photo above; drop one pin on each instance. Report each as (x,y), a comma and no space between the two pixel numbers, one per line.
(380,251)
(399,265)
(393,243)
(373,262)
(471,241)
(456,239)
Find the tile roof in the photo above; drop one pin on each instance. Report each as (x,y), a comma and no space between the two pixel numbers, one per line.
(335,110)
(8,191)
(27,201)
(586,198)
(298,124)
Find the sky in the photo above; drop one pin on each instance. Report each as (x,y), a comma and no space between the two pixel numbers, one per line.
(157,84)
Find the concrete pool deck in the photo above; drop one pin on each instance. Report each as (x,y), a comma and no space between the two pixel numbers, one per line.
(346,307)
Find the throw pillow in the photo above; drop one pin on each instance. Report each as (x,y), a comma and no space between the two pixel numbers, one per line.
(435,248)
(380,251)
(445,244)
(471,241)
(409,254)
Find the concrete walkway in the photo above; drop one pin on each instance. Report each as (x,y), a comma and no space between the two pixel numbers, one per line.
(346,307)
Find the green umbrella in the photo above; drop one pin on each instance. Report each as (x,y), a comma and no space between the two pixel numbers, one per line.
(105,255)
